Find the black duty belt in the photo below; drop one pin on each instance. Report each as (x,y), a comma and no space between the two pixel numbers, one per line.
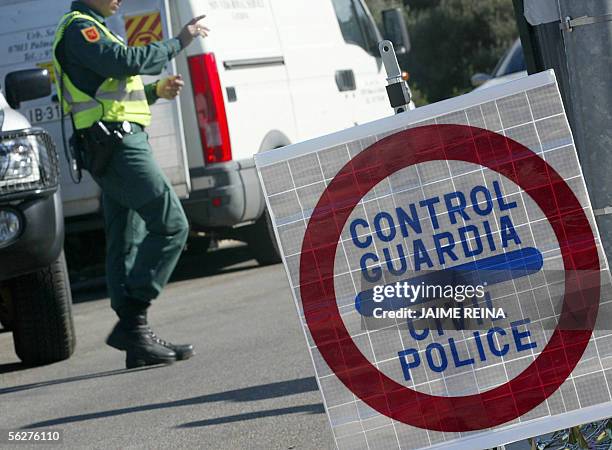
(100,141)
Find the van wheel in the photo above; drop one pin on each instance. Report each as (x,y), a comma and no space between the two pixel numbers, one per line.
(43,328)
(262,242)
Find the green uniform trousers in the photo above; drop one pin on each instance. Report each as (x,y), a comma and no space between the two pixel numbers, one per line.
(146,227)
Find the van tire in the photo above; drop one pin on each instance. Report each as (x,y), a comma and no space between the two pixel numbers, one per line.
(43,328)
(262,242)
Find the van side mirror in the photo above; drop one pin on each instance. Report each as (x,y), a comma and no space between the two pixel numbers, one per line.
(395,30)
(24,85)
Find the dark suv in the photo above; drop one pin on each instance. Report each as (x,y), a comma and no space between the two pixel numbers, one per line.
(35,297)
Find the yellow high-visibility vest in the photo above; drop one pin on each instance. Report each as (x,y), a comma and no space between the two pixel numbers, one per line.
(116,100)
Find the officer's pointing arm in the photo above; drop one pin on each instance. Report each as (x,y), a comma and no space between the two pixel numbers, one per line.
(110,59)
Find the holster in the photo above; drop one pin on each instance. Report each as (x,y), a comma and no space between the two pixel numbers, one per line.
(98,144)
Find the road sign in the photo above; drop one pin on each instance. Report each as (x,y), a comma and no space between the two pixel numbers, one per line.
(143,29)
(447,271)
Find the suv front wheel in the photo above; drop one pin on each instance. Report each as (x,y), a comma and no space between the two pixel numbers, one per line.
(43,329)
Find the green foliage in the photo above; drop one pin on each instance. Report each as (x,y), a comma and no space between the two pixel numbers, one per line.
(421,4)
(452,40)
(418,97)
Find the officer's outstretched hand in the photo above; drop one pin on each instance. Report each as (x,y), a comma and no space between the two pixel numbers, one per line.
(169,88)
(192,30)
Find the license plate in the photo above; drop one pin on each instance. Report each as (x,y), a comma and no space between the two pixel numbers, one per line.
(42,114)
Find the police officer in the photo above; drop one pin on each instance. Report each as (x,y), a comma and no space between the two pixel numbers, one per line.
(99,84)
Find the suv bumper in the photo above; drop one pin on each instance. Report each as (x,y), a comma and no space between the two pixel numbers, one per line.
(41,239)
(224,195)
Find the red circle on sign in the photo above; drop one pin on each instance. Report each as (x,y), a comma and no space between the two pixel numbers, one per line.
(567,219)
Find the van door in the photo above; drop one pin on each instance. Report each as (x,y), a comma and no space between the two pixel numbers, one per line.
(321,74)
(251,67)
(362,37)
(28,30)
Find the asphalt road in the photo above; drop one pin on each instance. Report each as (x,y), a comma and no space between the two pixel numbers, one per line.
(251,384)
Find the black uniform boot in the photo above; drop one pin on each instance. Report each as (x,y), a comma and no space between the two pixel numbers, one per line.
(133,335)
(183,351)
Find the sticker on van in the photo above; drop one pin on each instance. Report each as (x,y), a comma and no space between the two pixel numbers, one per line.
(144,29)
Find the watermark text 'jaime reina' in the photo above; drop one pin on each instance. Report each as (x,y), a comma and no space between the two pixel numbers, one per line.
(422,292)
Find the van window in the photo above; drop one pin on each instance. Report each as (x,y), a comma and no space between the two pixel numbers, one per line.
(349,24)
(356,26)
(368,28)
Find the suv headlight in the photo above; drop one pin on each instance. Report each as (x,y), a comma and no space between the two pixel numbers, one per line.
(28,162)
(19,161)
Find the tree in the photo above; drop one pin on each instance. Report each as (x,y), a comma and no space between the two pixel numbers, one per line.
(452,40)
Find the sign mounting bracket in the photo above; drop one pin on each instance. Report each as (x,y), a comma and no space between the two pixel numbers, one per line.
(397,90)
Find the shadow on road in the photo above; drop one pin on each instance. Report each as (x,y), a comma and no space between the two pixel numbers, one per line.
(12,367)
(226,260)
(213,263)
(252,393)
(314,408)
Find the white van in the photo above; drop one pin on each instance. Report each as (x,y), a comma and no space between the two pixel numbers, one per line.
(271,73)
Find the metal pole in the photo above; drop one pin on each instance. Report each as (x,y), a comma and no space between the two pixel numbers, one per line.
(578,45)
(588,51)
